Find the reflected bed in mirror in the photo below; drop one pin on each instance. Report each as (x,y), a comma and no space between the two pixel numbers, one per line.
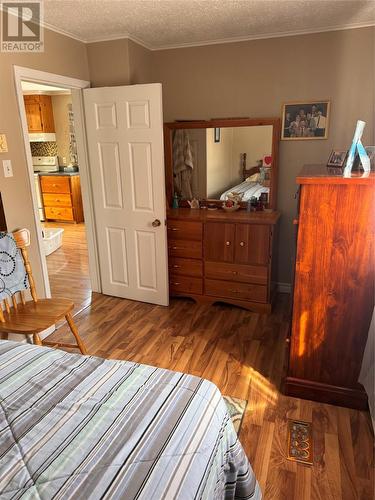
(211,160)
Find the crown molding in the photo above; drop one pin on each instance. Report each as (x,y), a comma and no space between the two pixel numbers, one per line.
(280,34)
(201,43)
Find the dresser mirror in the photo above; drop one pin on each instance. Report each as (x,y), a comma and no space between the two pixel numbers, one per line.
(209,160)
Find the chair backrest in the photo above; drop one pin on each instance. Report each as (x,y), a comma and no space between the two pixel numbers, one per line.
(22,239)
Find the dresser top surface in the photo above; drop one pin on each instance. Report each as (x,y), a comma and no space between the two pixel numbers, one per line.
(219,215)
(321,174)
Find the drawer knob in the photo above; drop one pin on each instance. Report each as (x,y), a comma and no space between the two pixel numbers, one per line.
(173,228)
(54,185)
(176,266)
(227,243)
(176,283)
(242,243)
(174,248)
(234,272)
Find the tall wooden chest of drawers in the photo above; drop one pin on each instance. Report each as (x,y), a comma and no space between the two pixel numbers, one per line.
(334,287)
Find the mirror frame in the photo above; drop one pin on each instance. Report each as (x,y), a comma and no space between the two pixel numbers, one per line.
(221,123)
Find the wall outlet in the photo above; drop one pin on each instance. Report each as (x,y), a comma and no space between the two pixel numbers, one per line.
(8,170)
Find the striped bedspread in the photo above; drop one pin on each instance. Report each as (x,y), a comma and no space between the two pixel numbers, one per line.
(248,189)
(82,427)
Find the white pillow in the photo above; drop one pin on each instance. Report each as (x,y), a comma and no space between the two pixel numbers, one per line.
(253,178)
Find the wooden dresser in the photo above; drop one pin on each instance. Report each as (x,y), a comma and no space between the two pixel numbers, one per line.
(62,197)
(215,256)
(334,287)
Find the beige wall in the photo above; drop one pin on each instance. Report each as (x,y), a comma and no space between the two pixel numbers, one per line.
(118,62)
(254,78)
(109,63)
(63,56)
(219,162)
(61,117)
(256,142)
(140,64)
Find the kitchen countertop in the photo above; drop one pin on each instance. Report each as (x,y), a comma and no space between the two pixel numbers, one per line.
(68,174)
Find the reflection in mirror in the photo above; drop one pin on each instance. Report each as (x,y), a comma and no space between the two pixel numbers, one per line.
(211,163)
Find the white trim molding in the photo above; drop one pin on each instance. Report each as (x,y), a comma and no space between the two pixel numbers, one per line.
(75,85)
(234,39)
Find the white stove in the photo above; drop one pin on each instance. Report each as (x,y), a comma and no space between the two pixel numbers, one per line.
(45,164)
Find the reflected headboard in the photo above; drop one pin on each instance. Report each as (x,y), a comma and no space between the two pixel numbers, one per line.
(246,172)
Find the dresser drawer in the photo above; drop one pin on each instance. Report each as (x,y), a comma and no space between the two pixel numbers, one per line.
(57,200)
(240,291)
(179,229)
(185,284)
(59,213)
(237,272)
(54,184)
(185,248)
(187,267)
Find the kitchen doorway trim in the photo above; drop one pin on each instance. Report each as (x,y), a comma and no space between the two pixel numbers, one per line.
(75,86)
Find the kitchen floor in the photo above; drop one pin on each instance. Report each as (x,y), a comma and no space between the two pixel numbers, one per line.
(68,266)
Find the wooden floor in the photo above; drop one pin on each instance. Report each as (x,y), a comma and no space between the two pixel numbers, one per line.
(68,270)
(243,353)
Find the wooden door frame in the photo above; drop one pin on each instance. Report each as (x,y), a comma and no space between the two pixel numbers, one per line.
(75,86)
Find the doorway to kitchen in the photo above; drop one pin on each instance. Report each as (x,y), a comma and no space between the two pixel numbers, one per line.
(59,211)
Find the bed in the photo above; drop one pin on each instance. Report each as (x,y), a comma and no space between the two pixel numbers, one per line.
(248,188)
(82,427)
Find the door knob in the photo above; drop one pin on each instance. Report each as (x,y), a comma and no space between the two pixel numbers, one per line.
(156,223)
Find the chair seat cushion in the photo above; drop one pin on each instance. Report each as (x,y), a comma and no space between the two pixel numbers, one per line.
(34,317)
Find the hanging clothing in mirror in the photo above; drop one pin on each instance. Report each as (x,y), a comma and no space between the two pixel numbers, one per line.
(182,164)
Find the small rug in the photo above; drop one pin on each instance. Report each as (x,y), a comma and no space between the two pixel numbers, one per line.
(236,409)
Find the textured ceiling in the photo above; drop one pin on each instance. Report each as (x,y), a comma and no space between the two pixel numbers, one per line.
(172,23)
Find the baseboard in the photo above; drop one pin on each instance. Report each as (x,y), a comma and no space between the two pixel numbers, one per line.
(283,287)
(355,397)
(22,338)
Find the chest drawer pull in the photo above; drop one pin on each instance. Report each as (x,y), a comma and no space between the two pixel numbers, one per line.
(176,283)
(242,243)
(227,243)
(174,228)
(176,266)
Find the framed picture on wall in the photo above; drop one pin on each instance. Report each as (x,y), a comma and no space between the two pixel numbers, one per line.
(305,120)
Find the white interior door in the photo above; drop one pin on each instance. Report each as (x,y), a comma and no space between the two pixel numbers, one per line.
(124,128)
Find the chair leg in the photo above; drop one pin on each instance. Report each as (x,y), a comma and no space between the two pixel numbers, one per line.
(36,339)
(74,330)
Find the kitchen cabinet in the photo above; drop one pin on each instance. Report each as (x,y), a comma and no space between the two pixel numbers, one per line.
(62,199)
(39,113)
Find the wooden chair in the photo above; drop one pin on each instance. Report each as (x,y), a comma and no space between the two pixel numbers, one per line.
(36,315)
